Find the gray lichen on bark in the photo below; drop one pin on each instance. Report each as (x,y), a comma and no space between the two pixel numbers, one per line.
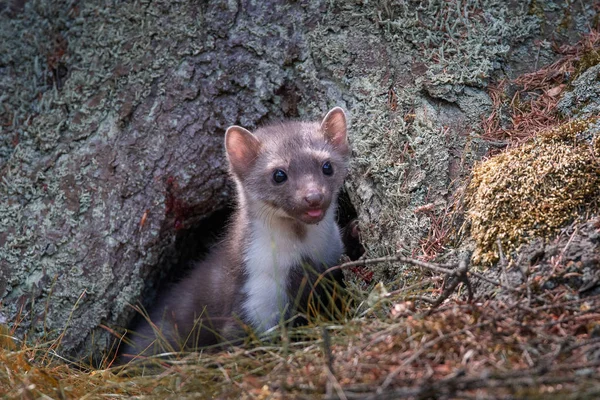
(583,101)
(426,61)
(133,133)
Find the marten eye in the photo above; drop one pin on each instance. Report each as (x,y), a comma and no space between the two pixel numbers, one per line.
(279,176)
(327,168)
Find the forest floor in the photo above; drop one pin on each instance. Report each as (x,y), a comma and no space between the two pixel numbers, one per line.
(415,342)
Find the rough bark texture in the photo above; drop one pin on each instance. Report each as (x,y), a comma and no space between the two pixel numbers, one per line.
(125,148)
(112,119)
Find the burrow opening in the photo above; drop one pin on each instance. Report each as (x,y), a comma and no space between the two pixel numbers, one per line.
(192,244)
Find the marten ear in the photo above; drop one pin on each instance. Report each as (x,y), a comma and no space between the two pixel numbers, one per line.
(334,129)
(242,149)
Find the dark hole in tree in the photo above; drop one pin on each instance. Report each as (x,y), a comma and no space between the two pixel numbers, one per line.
(191,244)
(194,243)
(346,211)
(345,216)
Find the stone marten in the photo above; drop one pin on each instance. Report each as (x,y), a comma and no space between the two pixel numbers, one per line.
(282,236)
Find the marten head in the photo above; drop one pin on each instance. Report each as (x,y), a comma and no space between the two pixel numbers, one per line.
(290,170)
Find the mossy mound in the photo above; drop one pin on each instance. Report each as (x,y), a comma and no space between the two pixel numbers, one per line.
(535,189)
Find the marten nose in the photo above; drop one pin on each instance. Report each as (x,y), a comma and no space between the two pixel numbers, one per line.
(314,198)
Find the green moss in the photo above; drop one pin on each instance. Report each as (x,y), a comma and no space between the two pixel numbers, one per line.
(587,60)
(567,18)
(535,9)
(533,190)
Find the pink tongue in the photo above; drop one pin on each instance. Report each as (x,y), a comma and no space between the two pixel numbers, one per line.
(314,213)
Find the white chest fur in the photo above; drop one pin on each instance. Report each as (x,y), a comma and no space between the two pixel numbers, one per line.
(273,250)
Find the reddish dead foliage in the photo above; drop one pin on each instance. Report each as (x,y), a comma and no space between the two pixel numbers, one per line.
(433,244)
(532,107)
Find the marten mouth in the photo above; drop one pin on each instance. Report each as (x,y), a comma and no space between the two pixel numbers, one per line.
(313,215)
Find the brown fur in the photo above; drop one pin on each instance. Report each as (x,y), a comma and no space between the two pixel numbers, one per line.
(207,306)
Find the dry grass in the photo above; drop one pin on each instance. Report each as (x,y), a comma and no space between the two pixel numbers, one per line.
(540,343)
